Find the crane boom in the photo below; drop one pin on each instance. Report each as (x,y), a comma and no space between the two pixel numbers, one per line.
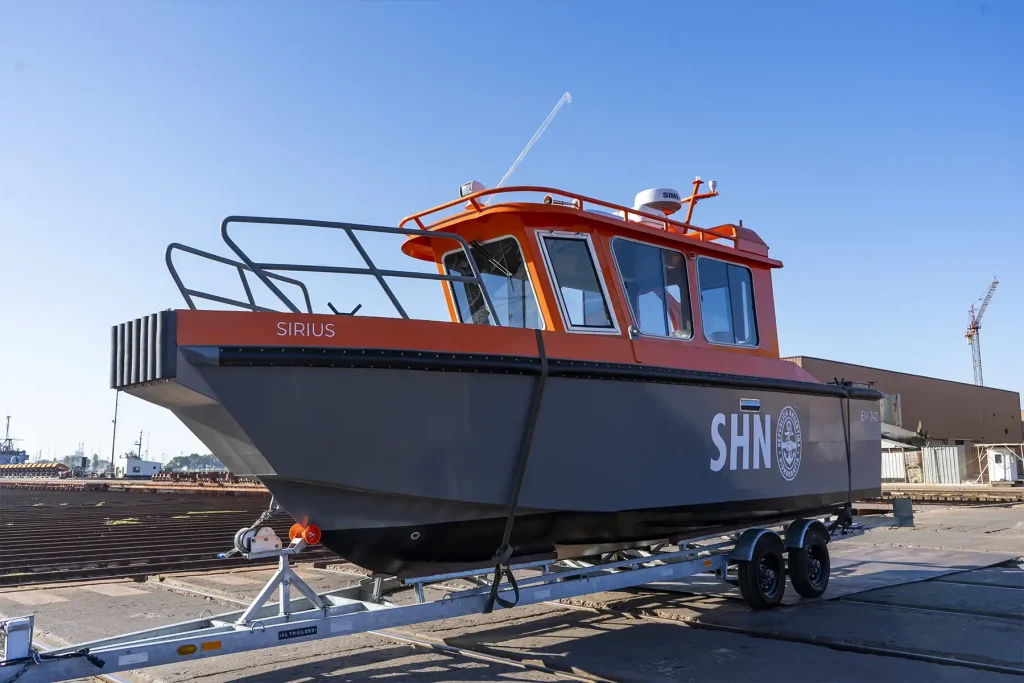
(985,301)
(974,330)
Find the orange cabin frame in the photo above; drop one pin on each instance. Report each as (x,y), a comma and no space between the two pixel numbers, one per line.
(527,221)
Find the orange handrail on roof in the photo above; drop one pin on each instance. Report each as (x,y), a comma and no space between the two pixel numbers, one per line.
(577,202)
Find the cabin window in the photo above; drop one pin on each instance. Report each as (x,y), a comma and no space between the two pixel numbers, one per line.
(581,294)
(655,284)
(726,303)
(503,271)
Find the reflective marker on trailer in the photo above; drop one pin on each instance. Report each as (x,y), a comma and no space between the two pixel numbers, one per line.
(132,658)
(187,650)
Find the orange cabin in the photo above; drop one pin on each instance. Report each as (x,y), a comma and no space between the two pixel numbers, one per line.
(579,265)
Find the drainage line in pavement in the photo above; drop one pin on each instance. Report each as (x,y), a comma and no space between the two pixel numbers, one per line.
(1012,619)
(943,579)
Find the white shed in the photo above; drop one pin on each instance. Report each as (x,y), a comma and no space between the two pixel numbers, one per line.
(137,468)
(1003,464)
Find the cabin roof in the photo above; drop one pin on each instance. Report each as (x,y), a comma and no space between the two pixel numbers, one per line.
(726,239)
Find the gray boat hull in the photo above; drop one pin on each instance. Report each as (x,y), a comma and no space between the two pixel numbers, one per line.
(404,468)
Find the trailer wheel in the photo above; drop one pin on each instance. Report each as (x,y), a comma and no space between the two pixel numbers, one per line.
(762,579)
(809,566)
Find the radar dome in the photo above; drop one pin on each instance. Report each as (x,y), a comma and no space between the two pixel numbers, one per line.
(659,199)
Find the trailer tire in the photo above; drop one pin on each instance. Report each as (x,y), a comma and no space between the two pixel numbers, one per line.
(810,566)
(762,578)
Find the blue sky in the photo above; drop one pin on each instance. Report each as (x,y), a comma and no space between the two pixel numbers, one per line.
(875,146)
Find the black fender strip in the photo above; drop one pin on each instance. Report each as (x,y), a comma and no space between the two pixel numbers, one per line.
(231,356)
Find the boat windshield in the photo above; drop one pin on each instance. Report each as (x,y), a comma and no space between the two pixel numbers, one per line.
(503,271)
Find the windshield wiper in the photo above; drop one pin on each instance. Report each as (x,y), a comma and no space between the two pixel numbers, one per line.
(490,259)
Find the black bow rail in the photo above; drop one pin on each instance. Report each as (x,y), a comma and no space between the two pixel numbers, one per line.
(250,302)
(270,273)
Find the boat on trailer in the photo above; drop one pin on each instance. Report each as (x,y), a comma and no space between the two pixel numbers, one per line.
(611,390)
(609,378)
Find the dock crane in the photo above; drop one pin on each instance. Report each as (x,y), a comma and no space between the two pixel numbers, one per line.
(974,329)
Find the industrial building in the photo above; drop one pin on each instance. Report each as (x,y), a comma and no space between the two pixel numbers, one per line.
(946,412)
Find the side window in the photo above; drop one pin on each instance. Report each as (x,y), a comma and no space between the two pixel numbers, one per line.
(579,290)
(655,284)
(504,274)
(726,303)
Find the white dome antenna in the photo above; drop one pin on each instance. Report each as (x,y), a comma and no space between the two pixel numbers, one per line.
(658,200)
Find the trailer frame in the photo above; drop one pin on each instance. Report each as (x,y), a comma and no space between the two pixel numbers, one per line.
(362,608)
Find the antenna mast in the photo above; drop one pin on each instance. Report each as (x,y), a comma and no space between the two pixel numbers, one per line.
(564,100)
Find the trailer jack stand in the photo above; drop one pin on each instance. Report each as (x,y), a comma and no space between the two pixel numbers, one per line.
(282,580)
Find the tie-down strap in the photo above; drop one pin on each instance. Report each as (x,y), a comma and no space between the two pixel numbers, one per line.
(504,552)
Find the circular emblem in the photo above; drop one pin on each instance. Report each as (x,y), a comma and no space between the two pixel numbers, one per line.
(788,443)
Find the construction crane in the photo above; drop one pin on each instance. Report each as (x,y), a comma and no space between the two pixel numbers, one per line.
(974,329)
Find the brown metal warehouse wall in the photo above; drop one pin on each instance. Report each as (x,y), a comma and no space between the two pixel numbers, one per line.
(948,410)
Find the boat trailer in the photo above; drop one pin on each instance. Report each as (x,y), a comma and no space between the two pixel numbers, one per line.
(758,555)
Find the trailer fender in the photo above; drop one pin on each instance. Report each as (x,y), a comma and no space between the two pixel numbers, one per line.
(797,531)
(744,550)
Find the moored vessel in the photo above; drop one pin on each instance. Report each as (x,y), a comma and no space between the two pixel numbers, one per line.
(9,454)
